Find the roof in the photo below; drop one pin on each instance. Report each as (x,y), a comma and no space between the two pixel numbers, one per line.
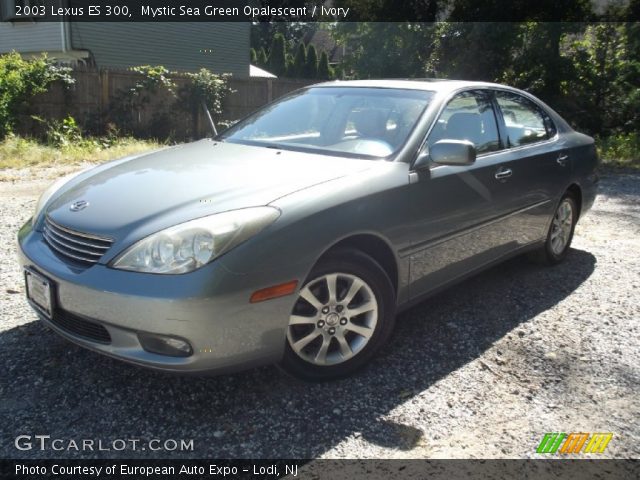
(431,84)
(440,86)
(258,72)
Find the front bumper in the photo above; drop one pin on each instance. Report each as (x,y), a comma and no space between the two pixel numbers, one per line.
(209,308)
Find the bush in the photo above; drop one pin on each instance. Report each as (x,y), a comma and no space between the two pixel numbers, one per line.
(299,62)
(203,86)
(311,67)
(63,133)
(263,61)
(278,55)
(621,150)
(20,80)
(208,87)
(325,72)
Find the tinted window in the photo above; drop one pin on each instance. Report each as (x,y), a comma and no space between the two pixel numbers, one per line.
(525,122)
(469,116)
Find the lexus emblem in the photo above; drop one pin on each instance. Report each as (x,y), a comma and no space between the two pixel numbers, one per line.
(79,205)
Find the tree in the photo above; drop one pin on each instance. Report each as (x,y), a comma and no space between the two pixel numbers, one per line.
(299,62)
(384,50)
(325,72)
(527,55)
(253,56)
(605,83)
(289,72)
(262,33)
(630,77)
(529,52)
(311,67)
(278,56)
(263,60)
(470,51)
(391,10)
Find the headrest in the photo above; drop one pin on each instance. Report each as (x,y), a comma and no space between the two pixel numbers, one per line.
(370,123)
(464,126)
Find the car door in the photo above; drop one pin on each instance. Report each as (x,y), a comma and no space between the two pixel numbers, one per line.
(538,166)
(457,212)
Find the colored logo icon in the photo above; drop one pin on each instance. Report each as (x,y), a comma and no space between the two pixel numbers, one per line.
(563,443)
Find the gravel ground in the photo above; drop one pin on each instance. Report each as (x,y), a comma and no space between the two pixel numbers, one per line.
(480,371)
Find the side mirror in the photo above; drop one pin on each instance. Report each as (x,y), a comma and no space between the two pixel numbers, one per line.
(423,161)
(453,152)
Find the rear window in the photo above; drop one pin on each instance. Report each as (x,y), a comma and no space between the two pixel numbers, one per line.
(526,123)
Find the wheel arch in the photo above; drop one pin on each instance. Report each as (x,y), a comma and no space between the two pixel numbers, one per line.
(576,192)
(373,246)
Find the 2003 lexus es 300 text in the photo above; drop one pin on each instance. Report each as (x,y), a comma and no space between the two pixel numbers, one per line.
(296,235)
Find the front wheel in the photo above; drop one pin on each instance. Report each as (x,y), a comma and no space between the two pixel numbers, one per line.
(560,232)
(343,314)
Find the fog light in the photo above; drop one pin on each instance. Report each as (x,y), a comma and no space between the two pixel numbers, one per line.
(171,346)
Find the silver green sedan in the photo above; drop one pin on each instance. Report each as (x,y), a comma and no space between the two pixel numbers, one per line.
(295,236)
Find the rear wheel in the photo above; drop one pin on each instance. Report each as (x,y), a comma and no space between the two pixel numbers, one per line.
(343,314)
(560,232)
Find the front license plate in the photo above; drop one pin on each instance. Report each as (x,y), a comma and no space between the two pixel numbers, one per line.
(39,291)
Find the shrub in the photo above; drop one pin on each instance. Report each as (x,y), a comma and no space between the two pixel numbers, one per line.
(311,67)
(20,80)
(127,104)
(208,86)
(63,133)
(621,150)
(278,55)
(153,77)
(263,61)
(325,72)
(299,61)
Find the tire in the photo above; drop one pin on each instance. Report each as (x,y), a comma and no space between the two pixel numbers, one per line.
(560,234)
(367,308)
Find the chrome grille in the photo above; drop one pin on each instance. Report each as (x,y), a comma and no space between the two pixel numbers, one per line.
(77,246)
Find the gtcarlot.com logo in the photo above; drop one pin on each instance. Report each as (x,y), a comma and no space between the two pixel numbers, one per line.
(45,442)
(574,442)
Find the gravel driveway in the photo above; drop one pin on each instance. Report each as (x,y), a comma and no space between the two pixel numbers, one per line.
(483,370)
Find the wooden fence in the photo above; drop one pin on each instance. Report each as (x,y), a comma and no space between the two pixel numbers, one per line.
(90,101)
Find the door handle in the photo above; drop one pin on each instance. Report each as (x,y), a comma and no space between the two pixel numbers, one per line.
(562,160)
(502,174)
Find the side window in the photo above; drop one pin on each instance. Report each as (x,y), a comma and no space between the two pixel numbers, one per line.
(468,116)
(525,122)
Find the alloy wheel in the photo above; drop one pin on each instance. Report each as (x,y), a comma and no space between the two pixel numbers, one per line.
(561,227)
(333,319)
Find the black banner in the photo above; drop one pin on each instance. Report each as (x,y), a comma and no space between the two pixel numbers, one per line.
(316,11)
(584,469)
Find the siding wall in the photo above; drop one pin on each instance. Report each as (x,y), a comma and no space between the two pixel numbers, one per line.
(177,46)
(30,37)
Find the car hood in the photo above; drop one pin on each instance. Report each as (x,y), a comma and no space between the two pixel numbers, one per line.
(157,190)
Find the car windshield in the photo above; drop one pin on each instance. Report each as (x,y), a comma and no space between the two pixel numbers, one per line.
(347,121)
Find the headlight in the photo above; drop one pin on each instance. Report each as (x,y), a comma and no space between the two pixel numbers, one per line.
(191,245)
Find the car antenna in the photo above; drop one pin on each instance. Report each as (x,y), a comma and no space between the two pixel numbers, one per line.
(208,115)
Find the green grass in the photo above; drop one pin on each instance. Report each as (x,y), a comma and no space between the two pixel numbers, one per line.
(620,152)
(18,152)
